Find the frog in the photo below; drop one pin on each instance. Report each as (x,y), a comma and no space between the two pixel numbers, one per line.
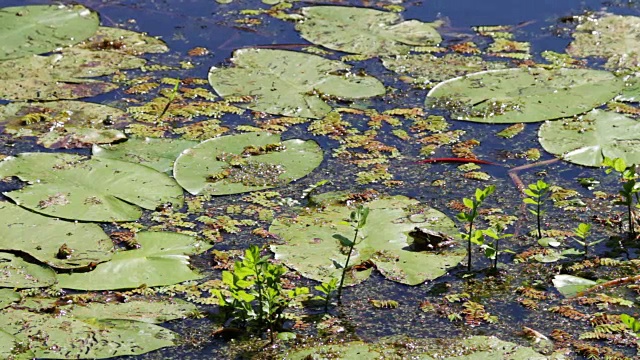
(429,240)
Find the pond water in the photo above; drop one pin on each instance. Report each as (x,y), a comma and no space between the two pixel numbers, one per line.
(546,25)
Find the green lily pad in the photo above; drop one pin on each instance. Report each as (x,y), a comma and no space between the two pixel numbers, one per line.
(53,336)
(162,259)
(312,245)
(158,154)
(7,297)
(36,29)
(17,273)
(472,348)
(124,41)
(62,75)
(10,348)
(429,67)
(524,94)
(569,285)
(64,124)
(587,139)
(43,237)
(612,37)
(364,31)
(290,83)
(75,187)
(218,167)
(153,312)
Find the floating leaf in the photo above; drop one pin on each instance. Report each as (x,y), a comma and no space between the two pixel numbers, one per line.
(364,31)
(587,139)
(245,162)
(7,297)
(153,312)
(36,29)
(432,68)
(74,187)
(290,83)
(162,259)
(62,75)
(64,124)
(569,285)
(65,335)
(524,94)
(124,41)
(43,237)
(10,348)
(158,154)
(17,273)
(312,244)
(612,37)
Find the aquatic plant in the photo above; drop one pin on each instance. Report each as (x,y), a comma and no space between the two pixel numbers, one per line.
(358,219)
(255,294)
(327,289)
(630,186)
(582,231)
(470,215)
(493,251)
(537,194)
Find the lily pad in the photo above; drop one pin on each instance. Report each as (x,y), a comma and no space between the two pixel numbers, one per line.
(153,312)
(429,67)
(290,83)
(75,187)
(54,336)
(43,237)
(124,41)
(10,348)
(162,259)
(364,31)
(158,154)
(17,273)
(312,245)
(569,285)
(613,37)
(7,297)
(587,139)
(64,124)
(524,94)
(36,29)
(245,162)
(62,75)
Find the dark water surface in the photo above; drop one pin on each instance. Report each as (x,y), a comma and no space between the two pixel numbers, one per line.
(190,23)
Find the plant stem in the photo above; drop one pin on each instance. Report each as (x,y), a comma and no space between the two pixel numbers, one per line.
(469,245)
(344,270)
(539,216)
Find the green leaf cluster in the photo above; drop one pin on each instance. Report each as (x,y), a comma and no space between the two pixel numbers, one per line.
(470,215)
(630,187)
(537,193)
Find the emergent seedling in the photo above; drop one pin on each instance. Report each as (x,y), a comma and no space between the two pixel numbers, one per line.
(357,220)
(630,186)
(470,215)
(582,232)
(537,193)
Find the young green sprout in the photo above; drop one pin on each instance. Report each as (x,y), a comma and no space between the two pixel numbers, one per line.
(327,289)
(476,237)
(492,251)
(537,193)
(630,186)
(582,232)
(357,220)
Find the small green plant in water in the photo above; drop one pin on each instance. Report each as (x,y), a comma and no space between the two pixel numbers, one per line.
(255,296)
(493,251)
(582,232)
(470,215)
(630,186)
(537,193)
(327,289)
(357,220)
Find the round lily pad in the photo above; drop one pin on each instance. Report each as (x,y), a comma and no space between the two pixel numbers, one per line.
(64,124)
(364,31)
(312,243)
(17,273)
(36,29)
(290,83)
(588,139)
(245,162)
(75,187)
(524,94)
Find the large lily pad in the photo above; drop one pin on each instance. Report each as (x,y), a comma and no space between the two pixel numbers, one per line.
(10,348)
(43,237)
(62,75)
(17,273)
(162,259)
(290,83)
(36,29)
(7,297)
(587,139)
(96,331)
(223,165)
(429,67)
(524,94)
(153,312)
(312,245)
(64,124)
(613,37)
(364,31)
(158,154)
(75,187)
